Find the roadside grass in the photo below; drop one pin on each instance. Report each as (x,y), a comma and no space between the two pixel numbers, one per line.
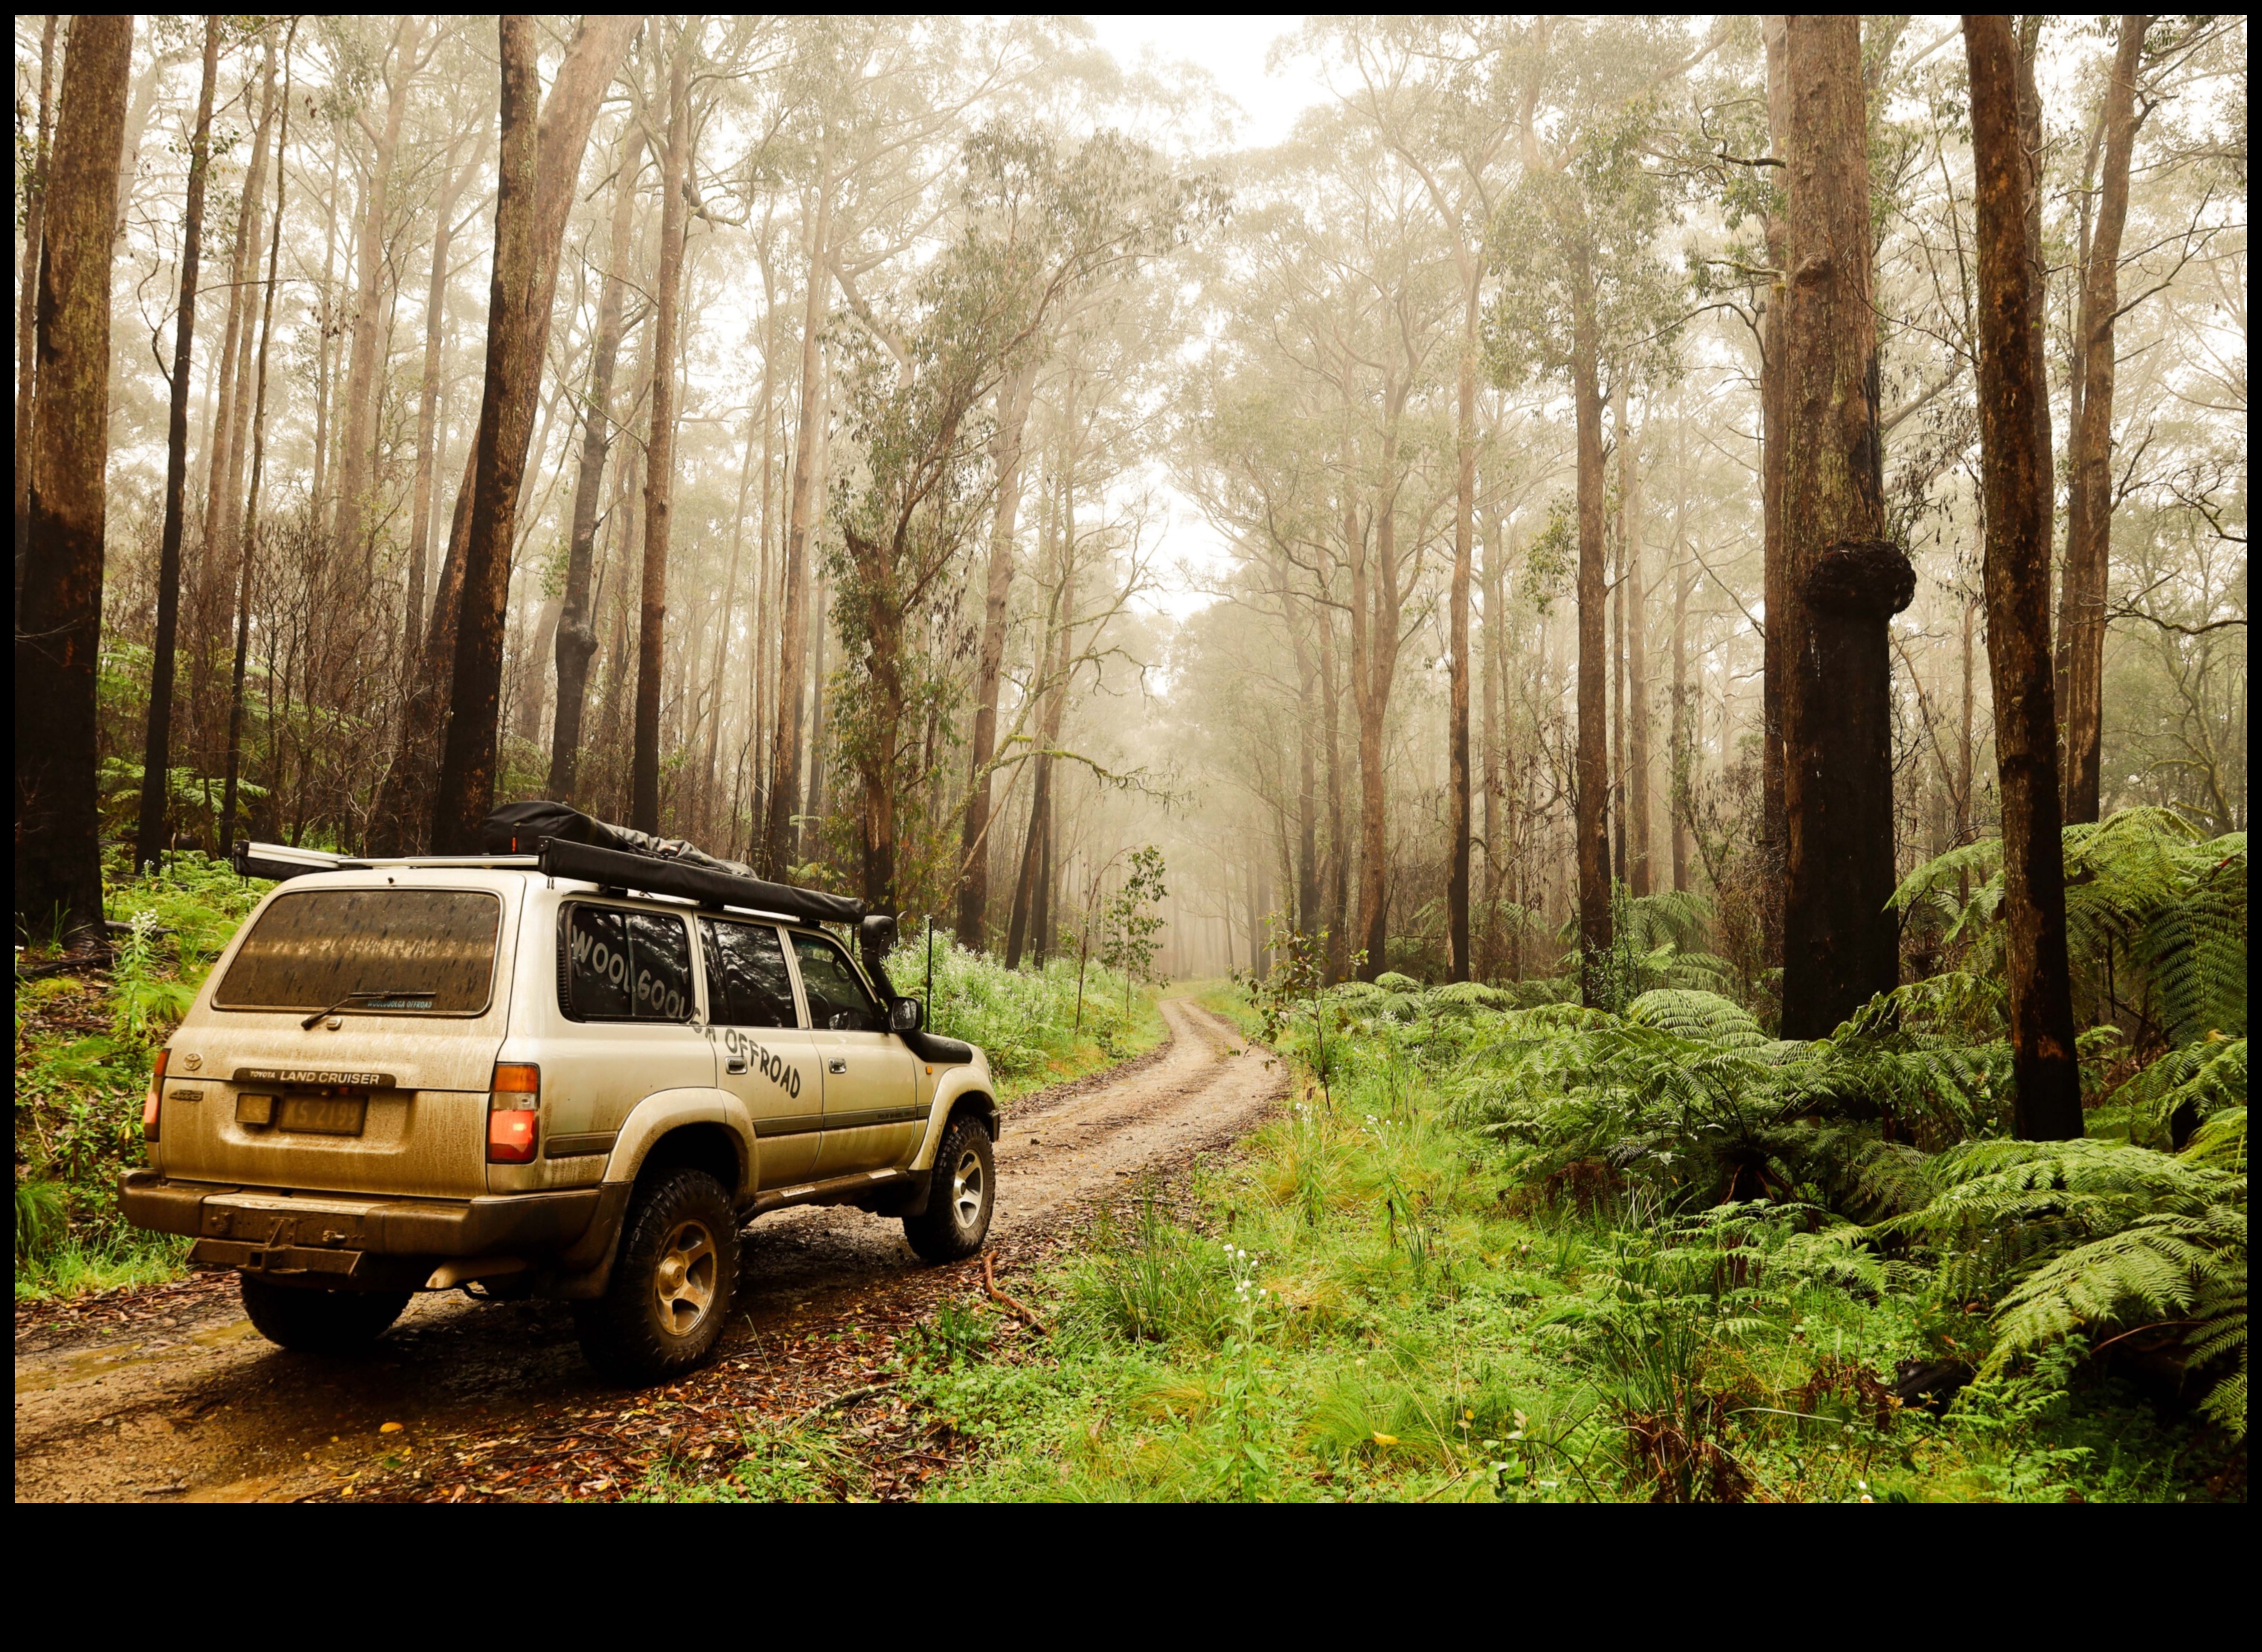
(83,1050)
(1030,1022)
(1375,1301)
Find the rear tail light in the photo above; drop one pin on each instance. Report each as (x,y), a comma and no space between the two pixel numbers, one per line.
(149,1102)
(514,1109)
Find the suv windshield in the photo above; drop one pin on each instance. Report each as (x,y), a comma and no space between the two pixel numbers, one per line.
(409,951)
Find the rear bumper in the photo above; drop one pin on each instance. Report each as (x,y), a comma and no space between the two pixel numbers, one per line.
(354,1238)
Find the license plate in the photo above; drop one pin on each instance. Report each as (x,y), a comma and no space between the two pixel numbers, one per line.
(321,1115)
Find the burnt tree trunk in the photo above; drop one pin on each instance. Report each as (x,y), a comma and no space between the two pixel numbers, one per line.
(59,613)
(1844,579)
(2046,1104)
(660,470)
(151,832)
(2089,498)
(535,186)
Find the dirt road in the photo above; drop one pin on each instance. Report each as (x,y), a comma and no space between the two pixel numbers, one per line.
(171,1396)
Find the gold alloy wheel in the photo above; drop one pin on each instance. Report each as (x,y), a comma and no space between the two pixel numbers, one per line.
(966,1188)
(684,1282)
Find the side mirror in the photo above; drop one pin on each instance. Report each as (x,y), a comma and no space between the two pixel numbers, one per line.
(906,1015)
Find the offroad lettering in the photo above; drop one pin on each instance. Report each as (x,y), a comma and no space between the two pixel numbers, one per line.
(767,1062)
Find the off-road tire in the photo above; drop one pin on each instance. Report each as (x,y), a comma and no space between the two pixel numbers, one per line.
(960,1196)
(663,1309)
(314,1321)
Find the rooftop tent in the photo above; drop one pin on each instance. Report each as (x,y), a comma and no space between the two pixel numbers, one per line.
(572,845)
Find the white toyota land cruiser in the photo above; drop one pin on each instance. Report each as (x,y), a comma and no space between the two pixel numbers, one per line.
(570,1068)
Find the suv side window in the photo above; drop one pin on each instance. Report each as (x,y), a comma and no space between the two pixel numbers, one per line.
(838,998)
(746,984)
(618,965)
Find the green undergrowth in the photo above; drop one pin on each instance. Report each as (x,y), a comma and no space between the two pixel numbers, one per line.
(83,1050)
(1503,1249)
(1035,1028)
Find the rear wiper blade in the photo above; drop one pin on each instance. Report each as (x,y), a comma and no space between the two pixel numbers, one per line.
(351,998)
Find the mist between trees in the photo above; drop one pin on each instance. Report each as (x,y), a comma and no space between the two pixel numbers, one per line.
(783,432)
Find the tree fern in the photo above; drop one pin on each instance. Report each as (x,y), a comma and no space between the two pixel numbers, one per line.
(2079,1236)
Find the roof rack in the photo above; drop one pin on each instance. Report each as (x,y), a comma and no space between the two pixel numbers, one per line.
(584,863)
(281,861)
(656,876)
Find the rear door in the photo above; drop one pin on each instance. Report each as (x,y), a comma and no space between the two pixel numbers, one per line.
(625,987)
(346,1044)
(768,1060)
(871,1089)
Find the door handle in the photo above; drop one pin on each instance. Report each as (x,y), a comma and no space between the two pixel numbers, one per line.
(737,1063)
(836,1064)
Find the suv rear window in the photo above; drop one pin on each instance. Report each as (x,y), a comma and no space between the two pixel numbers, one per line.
(619,965)
(409,951)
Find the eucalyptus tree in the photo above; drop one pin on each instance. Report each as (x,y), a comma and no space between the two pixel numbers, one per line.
(58,610)
(1039,222)
(541,148)
(1584,294)
(2046,1098)
(1444,93)
(152,831)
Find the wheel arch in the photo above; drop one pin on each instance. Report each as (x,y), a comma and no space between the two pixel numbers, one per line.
(705,1130)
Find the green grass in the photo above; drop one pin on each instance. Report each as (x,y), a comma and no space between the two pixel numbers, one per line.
(83,1050)
(1377,1302)
(1029,1021)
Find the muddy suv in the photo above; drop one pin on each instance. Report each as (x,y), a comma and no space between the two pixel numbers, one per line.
(572,1068)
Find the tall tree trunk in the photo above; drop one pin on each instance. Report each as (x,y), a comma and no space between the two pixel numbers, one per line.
(1052,660)
(577,630)
(1635,607)
(1014,399)
(1618,648)
(2046,1103)
(537,175)
(1593,761)
(427,409)
(660,472)
(807,838)
(1304,869)
(59,614)
(1464,506)
(224,474)
(2089,500)
(708,778)
(1376,604)
(247,538)
(35,200)
(785,754)
(1495,659)
(1684,782)
(1777,645)
(1845,579)
(1337,878)
(358,443)
(151,834)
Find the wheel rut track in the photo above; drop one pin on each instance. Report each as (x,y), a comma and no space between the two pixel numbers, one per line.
(183,1402)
